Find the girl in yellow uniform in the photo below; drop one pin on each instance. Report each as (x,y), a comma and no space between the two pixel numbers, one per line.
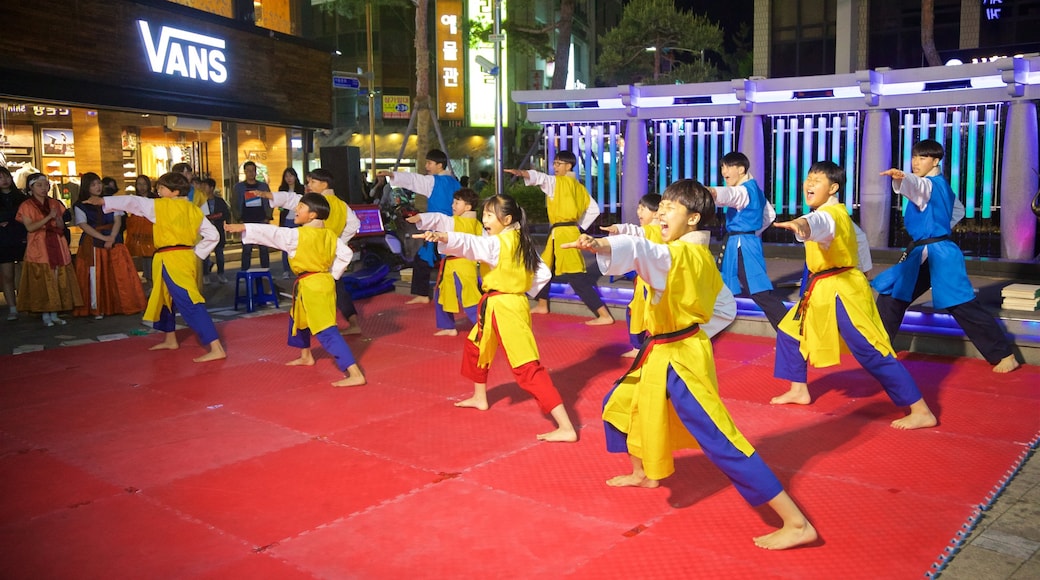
(318,258)
(669,399)
(175,266)
(510,267)
(837,308)
(457,288)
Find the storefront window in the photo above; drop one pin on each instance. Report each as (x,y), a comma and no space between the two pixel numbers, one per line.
(218,7)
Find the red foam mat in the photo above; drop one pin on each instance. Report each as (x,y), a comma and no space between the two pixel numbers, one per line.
(250,468)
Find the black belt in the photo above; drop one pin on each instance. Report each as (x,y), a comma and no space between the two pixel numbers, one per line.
(915,243)
(651,340)
(725,240)
(172,248)
(563,224)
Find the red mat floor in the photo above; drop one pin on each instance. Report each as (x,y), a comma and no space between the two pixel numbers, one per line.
(121,462)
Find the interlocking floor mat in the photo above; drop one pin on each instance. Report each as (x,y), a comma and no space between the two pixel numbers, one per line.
(118,461)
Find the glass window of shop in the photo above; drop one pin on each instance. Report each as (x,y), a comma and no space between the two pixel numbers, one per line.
(274,15)
(272,149)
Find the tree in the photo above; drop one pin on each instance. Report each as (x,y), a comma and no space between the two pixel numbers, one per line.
(928,33)
(652,34)
(525,39)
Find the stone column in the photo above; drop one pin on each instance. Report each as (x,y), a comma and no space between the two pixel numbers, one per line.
(634,178)
(875,191)
(1019,182)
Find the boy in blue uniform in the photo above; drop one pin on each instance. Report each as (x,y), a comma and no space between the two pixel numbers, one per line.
(748,214)
(837,308)
(929,219)
(438,185)
(669,399)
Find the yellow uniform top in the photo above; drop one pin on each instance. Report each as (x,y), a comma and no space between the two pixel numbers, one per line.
(466,270)
(640,290)
(568,203)
(509,311)
(817,330)
(177,223)
(314,296)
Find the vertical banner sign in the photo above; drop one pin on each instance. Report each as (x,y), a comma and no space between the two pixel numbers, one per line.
(451,72)
(480,87)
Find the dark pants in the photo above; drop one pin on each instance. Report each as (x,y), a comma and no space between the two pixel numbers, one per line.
(773,307)
(979,326)
(422,273)
(247,256)
(583,285)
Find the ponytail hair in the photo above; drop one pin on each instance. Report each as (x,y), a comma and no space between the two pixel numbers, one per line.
(504,206)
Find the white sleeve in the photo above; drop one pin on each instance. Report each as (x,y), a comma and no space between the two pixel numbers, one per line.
(78,216)
(284,239)
(542,276)
(210,238)
(723,314)
(352,227)
(591,213)
(650,261)
(768,217)
(420,184)
(630,230)
(958,212)
(344,255)
(863,247)
(543,181)
(735,197)
(142,206)
(821,228)
(917,190)
(286,200)
(478,248)
(437,222)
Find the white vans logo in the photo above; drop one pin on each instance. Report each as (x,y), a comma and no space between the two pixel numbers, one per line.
(187,54)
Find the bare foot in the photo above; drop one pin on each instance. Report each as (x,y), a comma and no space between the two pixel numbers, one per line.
(600,321)
(1006,364)
(916,420)
(447,332)
(473,403)
(540,310)
(305,360)
(798,395)
(169,343)
(559,435)
(216,352)
(351,330)
(350,382)
(419,300)
(787,537)
(633,480)
(631,354)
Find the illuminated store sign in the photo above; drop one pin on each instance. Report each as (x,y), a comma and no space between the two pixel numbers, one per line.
(186,54)
(480,86)
(451,73)
(991,9)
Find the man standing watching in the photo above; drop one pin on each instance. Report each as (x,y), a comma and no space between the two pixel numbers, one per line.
(252,209)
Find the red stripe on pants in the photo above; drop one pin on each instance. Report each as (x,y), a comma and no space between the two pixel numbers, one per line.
(532,377)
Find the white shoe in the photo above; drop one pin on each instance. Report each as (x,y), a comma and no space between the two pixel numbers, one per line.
(222,279)
(59,321)
(205,280)
(285,276)
(12,315)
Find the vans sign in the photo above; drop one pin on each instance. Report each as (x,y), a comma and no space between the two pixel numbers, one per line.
(185,54)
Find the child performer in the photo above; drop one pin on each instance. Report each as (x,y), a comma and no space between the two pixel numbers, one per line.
(672,382)
(725,310)
(342,222)
(175,266)
(318,258)
(510,267)
(570,207)
(457,288)
(838,306)
(931,255)
(748,214)
(438,185)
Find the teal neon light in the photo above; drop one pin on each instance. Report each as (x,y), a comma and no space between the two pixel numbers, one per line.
(851,124)
(701,145)
(807,135)
(778,166)
(600,175)
(688,146)
(989,161)
(908,143)
(662,171)
(614,167)
(970,184)
(792,168)
(675,150)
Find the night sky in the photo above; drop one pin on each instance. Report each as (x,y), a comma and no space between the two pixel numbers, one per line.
(727,13)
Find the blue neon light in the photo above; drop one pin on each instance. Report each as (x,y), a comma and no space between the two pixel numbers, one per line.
(908,143)
(778,165)
(688,148)
(600,167)
(955,156)
(807,160)
(851,124)
(614,167)
(676,166)
(713,159)
(662,176)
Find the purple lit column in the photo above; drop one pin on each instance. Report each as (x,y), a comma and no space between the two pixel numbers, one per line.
(752,143)
(1018,182)
(875,191)
(634,178)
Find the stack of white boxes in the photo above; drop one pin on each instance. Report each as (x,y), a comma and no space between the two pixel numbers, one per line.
(1021,297)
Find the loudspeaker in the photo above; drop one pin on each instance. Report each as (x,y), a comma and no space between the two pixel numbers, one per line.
(345,165)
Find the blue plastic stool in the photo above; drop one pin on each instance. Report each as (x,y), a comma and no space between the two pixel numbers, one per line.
(255,294)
